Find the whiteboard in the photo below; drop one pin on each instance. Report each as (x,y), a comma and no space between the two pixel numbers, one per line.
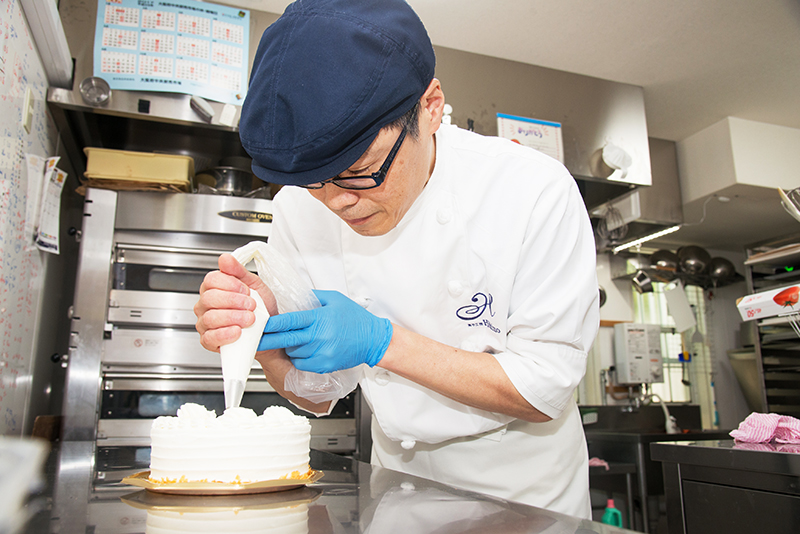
(20,261)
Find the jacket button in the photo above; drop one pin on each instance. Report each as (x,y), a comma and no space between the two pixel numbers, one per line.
(408,444)
(362,301)
(444,215)
(382,378)
(456,288)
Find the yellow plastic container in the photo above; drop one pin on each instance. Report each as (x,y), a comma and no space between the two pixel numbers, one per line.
(105,164)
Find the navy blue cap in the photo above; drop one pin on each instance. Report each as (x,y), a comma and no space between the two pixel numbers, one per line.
(327,76)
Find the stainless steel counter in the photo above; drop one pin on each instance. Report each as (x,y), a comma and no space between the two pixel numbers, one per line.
(724,486)
(84,494)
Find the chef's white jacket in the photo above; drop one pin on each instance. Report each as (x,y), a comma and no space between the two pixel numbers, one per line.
(496,255)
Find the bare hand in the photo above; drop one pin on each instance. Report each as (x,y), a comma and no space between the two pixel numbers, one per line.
(225,305)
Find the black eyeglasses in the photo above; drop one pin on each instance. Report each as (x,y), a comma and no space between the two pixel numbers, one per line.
(365,182)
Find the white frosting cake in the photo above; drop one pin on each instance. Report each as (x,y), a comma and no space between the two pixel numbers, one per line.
(286,520)
(236,447)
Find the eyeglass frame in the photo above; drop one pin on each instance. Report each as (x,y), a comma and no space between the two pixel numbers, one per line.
(379,176)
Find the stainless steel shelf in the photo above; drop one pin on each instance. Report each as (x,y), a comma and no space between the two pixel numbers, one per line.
(160,107)
(777,346)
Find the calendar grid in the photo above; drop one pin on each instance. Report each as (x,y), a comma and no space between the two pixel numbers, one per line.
(226,54)
(196,48)
(158,20)
(155,66)
(115,38)
(157,42)
(118,62)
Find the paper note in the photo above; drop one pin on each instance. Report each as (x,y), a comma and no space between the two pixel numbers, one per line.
(679,308)
(35,166)
(544,136)
(47,234)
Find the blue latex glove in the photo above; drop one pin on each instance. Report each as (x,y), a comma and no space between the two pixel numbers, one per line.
(339,335)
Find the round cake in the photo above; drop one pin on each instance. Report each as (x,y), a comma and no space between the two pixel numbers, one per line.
(236,447)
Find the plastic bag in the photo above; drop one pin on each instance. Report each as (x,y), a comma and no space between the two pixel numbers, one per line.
(292,293)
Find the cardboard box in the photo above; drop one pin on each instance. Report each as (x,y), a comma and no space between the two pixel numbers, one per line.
(124,166)
(780,301)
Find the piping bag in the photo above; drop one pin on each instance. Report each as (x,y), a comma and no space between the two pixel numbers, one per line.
(292,294)
(238,357)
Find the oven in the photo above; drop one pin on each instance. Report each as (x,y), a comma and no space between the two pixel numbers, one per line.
(134,352)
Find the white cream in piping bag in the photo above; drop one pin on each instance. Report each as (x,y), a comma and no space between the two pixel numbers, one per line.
(238,357)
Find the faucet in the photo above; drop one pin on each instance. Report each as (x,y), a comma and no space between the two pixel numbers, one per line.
(671,425)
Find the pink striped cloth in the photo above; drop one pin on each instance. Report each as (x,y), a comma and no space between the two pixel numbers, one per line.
(766,427)
(597,462)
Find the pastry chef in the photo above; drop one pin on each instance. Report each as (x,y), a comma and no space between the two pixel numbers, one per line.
(459,268)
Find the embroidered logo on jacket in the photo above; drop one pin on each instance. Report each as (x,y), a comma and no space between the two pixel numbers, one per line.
(473,312)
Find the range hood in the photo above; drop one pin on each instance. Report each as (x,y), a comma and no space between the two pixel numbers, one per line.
(644,211)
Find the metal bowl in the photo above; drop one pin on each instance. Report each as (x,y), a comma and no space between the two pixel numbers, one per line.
(694,259)
(227,180)
(95,91)
(664,260)
(721,269)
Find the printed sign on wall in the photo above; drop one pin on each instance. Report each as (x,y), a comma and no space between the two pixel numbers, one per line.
(544,136)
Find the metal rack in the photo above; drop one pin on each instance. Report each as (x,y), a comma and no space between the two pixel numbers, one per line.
(776,340)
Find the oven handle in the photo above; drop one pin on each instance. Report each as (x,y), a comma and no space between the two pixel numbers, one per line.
(173,376)
(177,250)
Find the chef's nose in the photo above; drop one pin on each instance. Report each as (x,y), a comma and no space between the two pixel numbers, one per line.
(336,198)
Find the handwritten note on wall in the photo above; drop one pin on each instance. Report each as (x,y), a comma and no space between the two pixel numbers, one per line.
(544,136)
(20,261)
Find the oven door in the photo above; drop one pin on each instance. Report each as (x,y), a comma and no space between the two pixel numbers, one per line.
(132,399)
(156,285)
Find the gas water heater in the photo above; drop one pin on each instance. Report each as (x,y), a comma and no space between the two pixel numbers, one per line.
(637,353)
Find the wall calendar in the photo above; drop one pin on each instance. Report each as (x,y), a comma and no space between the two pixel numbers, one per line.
(175,46)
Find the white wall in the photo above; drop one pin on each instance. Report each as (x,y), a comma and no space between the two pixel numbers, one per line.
(618,293)
(23,268)
(724,323)
(618,308)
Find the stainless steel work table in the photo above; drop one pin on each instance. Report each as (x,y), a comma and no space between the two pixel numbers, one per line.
(84,494)
(724,486)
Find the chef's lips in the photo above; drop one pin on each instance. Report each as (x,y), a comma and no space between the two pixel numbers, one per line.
(237,357)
